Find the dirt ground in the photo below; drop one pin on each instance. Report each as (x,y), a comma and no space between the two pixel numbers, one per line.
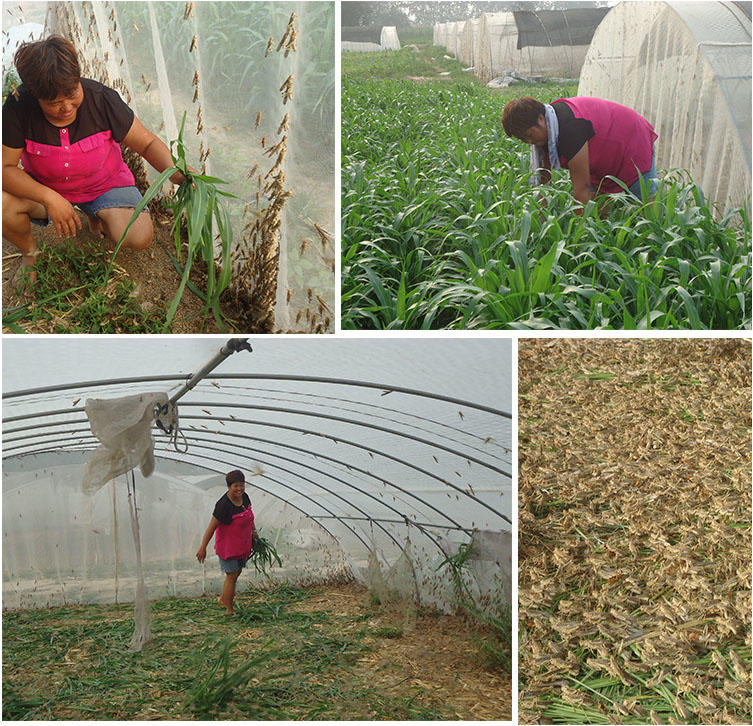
(151,270)
(71,663)
(634,530)
(434,652)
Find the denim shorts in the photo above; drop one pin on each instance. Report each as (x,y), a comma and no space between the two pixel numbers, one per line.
(127,197)
(650,178)
(231,565)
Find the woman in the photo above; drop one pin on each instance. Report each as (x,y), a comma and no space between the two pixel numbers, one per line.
(66,132)
(591,138)
(233,521)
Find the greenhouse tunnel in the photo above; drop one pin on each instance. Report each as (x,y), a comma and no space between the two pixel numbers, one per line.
(685,66)
(365,460)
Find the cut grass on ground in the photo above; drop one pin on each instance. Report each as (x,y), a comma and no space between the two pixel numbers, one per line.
(289,653)
(73,295)
(635,520)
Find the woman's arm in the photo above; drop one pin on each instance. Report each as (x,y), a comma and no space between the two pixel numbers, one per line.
(152,148)
(201,555)
(580,175)
(18,183)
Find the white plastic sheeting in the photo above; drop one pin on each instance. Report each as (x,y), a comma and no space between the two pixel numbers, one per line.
(388,38)
(256,81)
(686,67)
(498,52)
(490,44)
(468,49)
(399,473)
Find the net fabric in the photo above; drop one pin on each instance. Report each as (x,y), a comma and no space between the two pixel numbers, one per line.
(260,118)
(333,471)
(123,426)
(468,45)
(357,46)
(686,67)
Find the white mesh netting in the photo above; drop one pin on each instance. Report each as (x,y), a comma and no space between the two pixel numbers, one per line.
(347,480)
(256,81)
(686,67)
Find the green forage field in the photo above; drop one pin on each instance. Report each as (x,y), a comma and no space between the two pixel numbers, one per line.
(441,228)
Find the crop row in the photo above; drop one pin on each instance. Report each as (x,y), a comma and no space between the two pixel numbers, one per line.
(441,229)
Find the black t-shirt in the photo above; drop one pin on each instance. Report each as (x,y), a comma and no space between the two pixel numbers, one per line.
(101,110)
(225,510)
(574,132)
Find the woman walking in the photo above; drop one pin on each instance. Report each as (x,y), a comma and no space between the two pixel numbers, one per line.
(233,523)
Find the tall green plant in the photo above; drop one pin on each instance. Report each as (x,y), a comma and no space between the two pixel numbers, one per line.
(496,647)
(197,202)
(216,681)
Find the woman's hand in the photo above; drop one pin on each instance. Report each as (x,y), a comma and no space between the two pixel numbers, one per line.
(178,178)
(201,555)
(63,215)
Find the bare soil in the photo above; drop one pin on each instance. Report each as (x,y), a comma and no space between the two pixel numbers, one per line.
(436,652)
(152,272)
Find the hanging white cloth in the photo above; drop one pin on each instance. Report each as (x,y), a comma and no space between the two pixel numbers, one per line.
(123,426)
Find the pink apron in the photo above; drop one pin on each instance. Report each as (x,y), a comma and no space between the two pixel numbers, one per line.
(233,541)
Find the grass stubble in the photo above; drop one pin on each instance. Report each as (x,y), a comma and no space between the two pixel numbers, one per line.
(289,653)
(635,526)
(441,228)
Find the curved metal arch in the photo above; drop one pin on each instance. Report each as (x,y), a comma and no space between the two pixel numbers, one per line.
(297,491)
(328,417)
(349,466)
(260,376)
(305,431)
(301,430)
(354,422)
(317,398)
(331,437)
(319,471)
(365,448)
(455,525)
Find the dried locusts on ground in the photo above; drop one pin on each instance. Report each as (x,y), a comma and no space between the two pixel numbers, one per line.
(635,531)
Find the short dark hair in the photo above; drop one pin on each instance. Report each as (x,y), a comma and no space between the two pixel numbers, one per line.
(48,68)
(520,114)
(233,476)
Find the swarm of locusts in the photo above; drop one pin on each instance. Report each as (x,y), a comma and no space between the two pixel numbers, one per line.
(245,267)
(635,522)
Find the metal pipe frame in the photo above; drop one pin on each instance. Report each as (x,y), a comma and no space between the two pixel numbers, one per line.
(454,525)
(333,438)
(70,411)
(259,376)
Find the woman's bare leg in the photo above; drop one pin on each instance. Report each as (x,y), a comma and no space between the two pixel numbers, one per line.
(17,214)
(116,219)
(228,591)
